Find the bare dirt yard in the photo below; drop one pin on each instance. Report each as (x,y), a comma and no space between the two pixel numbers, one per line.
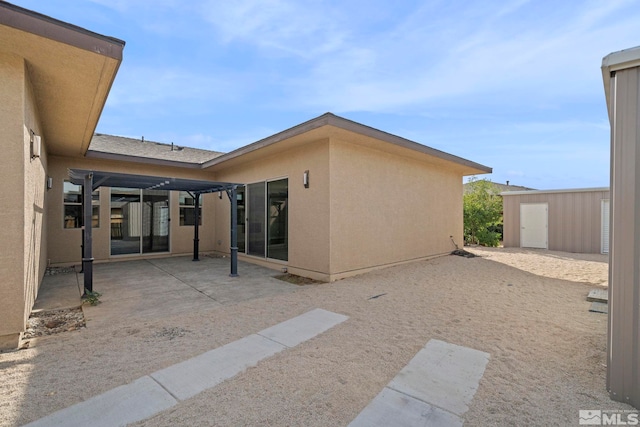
(527,309)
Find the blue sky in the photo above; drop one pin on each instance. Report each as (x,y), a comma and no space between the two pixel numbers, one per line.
(514,85)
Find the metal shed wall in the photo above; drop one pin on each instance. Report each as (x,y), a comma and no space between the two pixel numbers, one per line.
(623,349)
(575,218)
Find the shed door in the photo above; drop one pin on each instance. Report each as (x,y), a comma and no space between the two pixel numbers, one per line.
(533,225)
(605,226)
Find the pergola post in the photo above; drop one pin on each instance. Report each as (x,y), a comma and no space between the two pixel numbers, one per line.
(234,231)
(87,256)
(196,227)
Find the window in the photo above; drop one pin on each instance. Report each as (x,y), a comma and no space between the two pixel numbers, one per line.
(73,217)
(188,209)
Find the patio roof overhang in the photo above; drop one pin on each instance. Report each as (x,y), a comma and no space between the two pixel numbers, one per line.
(145,182)
(92,180)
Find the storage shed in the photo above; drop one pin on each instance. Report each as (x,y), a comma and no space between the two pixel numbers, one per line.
(621,76)
(571,220)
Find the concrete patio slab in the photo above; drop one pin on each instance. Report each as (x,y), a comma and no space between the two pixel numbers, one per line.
(186,379)
(434,389)
(599,307)
(59,291)
(442,374)
(143,289)
(117,407)
(391,408)
(299,329)
(598,295)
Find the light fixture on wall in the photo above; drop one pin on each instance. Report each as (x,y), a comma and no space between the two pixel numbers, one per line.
(49,183)
(36,143)
(305,179)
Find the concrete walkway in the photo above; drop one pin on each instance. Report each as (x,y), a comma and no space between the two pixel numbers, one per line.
(434,389)
(166,388)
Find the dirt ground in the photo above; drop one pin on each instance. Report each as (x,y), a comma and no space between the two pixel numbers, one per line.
(527,309)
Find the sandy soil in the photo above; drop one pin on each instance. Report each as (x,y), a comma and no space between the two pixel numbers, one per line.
(527,309)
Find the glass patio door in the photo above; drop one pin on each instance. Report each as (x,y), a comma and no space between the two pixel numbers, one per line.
(256,219)
(139,221)
(267,219)
(155,221)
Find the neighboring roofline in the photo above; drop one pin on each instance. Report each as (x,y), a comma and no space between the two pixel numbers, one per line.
(63,32)
(139,159)
(330,119)
(568,190)
(623,59)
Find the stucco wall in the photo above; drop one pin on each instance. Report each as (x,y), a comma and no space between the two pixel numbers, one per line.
(64,244)
(364,208)
(574,219)
(23,259)
(12,291)
(35,230)
(388,208)
(308,207)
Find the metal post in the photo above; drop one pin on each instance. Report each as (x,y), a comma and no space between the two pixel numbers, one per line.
(234,231)
(196,239)
(87,257)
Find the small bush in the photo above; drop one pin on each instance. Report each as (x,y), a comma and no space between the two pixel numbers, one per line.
(91,297)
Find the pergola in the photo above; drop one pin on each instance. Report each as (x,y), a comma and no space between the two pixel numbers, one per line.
(91,180)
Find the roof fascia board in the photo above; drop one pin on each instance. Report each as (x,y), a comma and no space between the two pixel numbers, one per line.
(98,107)
(355,127)
(63,32)
(349,125)
(617,61)
(136,159)
(568,190)
(265,142)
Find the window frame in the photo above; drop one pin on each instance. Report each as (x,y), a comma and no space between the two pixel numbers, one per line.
(78,219)
(182,210)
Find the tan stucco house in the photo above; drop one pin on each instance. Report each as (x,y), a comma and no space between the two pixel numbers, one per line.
(326,199)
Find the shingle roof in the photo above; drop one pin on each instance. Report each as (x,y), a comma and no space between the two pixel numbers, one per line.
(111,146)
(507,187)
(501,187)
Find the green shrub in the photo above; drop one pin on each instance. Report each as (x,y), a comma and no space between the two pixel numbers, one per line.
(482,210)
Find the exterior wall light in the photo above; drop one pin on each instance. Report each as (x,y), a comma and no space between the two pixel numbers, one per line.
(305,179)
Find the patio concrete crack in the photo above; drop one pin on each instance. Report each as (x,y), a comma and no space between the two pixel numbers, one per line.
(182,281)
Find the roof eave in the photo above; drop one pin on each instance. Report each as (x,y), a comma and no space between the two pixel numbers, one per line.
(330,119)
(565,190)
(616,61)
(60,31)
(138,159)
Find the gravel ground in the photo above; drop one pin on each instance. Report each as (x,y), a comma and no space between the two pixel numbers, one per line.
(527,309)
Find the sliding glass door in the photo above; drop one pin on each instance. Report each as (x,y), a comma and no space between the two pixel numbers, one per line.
(277,219)
(256,219)
(139,221)
(267,219)
(155,221)
(242,219)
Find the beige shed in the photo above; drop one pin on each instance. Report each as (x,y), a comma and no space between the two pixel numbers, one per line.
(570,220)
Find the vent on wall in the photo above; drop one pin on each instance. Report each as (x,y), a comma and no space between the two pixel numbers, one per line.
(36,144)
